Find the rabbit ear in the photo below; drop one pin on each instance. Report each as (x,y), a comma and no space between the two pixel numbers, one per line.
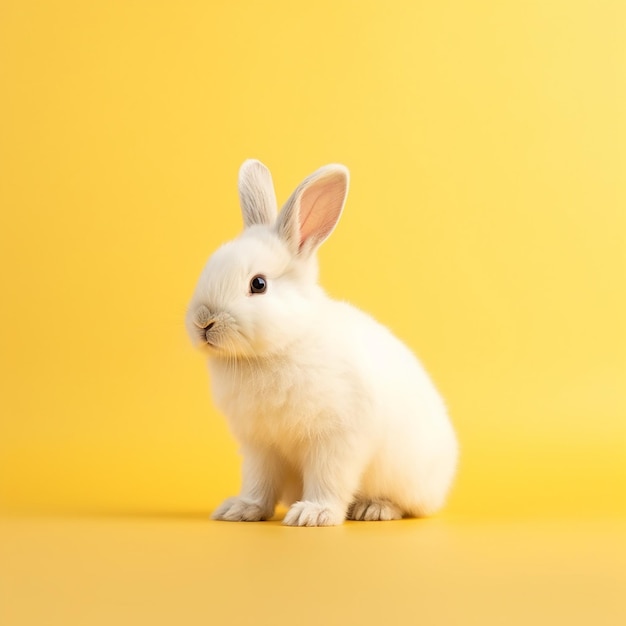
(313,210)
(256,193)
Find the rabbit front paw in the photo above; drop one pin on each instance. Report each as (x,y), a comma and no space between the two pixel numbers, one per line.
(373,511)
(312,514)
(240,510)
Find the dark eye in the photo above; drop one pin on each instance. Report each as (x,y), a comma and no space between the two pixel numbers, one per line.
(258,285)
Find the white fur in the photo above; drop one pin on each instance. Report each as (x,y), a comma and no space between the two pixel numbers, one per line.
(334,415)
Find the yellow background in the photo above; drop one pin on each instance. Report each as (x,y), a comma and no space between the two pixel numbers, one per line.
(486,225)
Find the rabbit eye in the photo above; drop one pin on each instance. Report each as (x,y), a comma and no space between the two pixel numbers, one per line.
(258,285)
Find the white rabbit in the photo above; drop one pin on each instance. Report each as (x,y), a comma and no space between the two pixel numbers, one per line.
(334,415)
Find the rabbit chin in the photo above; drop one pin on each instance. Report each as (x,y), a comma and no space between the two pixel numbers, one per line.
(230,350)
(246,351)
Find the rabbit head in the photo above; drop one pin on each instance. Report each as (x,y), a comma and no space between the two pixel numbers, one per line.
(257,293)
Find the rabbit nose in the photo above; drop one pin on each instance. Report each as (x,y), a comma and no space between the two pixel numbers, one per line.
(207,332)
(204,318)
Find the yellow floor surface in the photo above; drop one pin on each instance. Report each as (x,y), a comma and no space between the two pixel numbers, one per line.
(185,570)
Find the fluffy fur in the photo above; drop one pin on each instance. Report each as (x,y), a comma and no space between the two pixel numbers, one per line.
(335,416)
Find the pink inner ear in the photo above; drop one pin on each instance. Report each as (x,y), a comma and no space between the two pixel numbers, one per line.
(320,208)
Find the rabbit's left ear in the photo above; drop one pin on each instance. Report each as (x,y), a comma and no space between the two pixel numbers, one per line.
(256,194)
(313,210)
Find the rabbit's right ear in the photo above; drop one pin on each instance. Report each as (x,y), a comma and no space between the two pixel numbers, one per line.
(313,209)
(256,194)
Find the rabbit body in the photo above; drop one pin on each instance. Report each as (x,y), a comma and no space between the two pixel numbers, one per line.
(334,415)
